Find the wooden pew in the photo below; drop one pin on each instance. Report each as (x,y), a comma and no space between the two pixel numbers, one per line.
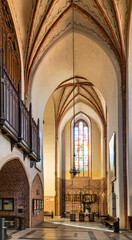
(48,214)
(112,222)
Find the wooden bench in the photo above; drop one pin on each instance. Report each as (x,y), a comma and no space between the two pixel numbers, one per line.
(112,221)
(9,221)
(48,214)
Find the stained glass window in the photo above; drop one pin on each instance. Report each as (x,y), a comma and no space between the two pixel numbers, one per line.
(81,142)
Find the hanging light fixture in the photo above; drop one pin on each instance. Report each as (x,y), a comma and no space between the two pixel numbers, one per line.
(73,171)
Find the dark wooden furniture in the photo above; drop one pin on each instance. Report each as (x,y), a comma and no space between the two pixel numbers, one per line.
(81,217)
(72,217)
(8,218)
(21,223)
(112,222)
(16,120)
(48,214)
(90,216)
(8,40)
(10,221)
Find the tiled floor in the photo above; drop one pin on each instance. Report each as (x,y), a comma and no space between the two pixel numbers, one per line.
(64,231)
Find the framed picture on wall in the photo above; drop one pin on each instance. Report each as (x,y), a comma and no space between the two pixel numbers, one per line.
(38,204)
(8,204)
(42,204)
(67,197)
(34,204)
(87,198)
(112,157)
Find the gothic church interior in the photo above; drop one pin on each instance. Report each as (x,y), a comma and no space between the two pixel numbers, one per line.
(65,108)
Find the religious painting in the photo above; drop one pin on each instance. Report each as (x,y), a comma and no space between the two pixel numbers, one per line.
(34,204)
(67,197)
(87,198)
(78,197)
(8,204)
(71,198)
(38,206)
(112,157)
(42,204)
(34,207)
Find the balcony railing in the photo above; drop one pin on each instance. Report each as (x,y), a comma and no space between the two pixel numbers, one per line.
(15,119)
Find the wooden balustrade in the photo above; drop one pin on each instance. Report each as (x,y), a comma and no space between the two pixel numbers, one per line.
(24,126)
(35,141)
(8,40)
(15,119)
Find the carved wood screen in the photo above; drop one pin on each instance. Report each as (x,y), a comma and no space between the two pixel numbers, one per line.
(8,39)
(15,119)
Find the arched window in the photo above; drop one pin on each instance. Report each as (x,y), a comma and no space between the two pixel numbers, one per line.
(81,145)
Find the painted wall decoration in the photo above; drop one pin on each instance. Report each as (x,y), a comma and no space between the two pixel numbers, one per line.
(90,198)
(50,20)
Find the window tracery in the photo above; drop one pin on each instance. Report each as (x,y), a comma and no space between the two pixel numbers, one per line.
(81,146)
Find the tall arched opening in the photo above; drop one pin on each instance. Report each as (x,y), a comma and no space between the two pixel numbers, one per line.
(37,201)
(14,191)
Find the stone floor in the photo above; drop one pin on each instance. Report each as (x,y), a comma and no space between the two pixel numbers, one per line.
(63,229)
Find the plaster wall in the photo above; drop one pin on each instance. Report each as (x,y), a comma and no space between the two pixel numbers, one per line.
(113,125)
(66,151)
(56,67)
(49,149)
(96,151)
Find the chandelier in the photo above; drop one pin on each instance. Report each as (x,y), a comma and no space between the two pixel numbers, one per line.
(73,171)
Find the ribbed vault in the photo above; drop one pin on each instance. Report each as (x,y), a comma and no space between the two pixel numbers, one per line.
(72,92)
(46,21)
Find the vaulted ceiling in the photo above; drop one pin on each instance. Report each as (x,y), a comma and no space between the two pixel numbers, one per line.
(40,23)
(73,91)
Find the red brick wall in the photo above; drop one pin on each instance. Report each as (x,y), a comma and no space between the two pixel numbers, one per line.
(59,196)
(14,184)
(83,185)
(37,193)
(49,204)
